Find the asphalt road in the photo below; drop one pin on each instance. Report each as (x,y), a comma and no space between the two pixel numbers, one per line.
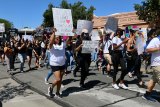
(98,94)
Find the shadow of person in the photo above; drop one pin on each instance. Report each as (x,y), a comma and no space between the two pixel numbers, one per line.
(0,104)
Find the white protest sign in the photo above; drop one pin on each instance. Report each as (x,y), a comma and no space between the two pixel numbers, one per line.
(89,46)
(144,32)
(95,35)
(84,24)
(140,44)
(29,37)
(111,24)
(63,21)
(2,27)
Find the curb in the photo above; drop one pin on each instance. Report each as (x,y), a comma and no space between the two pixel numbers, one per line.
(57,101)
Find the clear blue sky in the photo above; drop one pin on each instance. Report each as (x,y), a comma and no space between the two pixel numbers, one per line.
(29,13)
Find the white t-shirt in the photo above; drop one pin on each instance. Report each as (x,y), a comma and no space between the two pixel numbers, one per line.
(117,41)
(57,54)
(106,46)
(155,58)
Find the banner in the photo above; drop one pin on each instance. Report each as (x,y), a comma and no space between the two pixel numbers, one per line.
(63,21)
(95,35)
(84,24)
(89,46)
(2,27)
(111,24)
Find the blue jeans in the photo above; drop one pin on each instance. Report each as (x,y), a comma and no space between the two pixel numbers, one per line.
(69,59)
(50,73)
(94,56)
(22,57)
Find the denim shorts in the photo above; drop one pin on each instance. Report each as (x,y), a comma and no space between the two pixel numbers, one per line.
(57,68)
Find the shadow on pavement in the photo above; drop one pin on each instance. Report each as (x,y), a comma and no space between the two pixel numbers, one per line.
(88,85)
(67,81)
(9,91)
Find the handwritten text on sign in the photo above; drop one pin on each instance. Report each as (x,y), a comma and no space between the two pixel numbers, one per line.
(89,46)
(2,28)
(63,21)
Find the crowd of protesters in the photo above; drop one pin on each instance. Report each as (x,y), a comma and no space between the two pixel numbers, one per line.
(59,53)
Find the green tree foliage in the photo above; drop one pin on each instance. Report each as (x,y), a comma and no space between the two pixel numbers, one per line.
(48,17)
(79,12)
(149,11)
(7,23)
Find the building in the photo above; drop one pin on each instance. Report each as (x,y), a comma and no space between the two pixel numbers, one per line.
(124,19)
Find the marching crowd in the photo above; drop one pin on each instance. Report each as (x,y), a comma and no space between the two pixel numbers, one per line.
(59,53)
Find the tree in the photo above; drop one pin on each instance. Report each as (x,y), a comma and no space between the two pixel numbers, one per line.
(48,17)
(7,23)
(79,12)
(149,11)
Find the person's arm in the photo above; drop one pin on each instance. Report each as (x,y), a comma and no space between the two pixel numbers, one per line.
(21,46)
(151,50)
(115,46)
(79,47)
(52,40)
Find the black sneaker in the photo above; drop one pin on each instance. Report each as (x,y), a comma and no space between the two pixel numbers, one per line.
(82,86)
(58,95)
(148,97)
(50,91)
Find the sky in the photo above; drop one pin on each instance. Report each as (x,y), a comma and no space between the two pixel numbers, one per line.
(29,13)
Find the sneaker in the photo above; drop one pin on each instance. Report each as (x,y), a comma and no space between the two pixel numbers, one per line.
(62,86)
(115,86)
(123,86)
(58,95)
(130,75)
(21,71)
(82,86)
(46,81)
(148,97)
(50,91)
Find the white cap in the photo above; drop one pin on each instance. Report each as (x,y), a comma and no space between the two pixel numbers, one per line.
(84,31)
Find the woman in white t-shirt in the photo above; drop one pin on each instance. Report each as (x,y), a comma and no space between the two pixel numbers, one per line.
(118,59)
(57,62)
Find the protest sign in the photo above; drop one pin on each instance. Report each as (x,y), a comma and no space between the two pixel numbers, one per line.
(63,21)
(2,27)
(140,44)
(89,46)
(84,24)
(95,35)
(29,37)
(111,24)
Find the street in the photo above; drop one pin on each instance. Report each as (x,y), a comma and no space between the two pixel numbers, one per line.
(98,94)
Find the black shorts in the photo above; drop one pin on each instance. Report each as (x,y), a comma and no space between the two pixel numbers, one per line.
(57,68)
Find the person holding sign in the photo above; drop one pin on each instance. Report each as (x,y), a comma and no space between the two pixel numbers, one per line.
(57,62)
(83,59)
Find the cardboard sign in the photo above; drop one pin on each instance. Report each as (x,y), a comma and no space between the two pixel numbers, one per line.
(84,24)
(89,46)
(2,27)
(63,21)
(95,35)
(111,24)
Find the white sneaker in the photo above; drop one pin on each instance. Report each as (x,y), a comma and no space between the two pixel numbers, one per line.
(115,86)
(123,86)
(46,82)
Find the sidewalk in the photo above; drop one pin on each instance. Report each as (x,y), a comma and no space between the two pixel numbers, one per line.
(13,94)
